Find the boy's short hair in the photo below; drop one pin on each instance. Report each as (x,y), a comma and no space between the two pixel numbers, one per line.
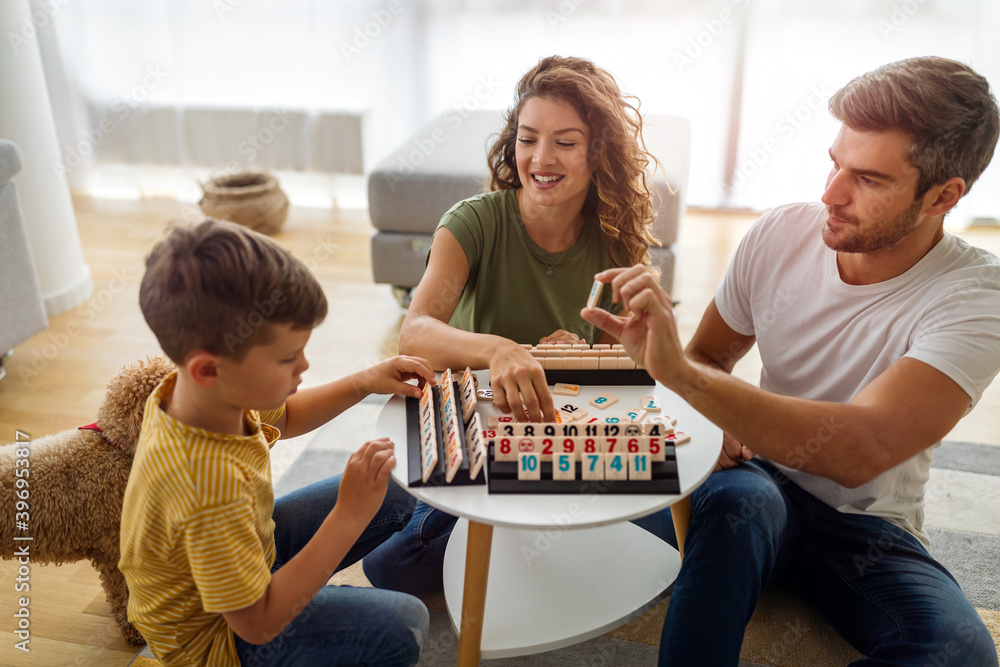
(216,286)
(944,105)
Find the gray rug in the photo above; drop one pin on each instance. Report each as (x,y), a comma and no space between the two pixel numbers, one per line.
(971,557)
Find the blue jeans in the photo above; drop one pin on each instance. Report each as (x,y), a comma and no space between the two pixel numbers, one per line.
(412,560)
(752,527)
(342,625)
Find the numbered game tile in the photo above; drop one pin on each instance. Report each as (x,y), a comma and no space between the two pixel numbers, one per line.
(639,466)
(615,466)
(592,466)
(563,467)
(505,449)
(636,445)
(635,414)
(529,467)
(650,403)
(603,401)
(485,395)
(660,422)
(493,421)
(678,438)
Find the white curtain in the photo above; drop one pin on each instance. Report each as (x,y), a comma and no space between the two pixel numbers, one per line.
(333,86)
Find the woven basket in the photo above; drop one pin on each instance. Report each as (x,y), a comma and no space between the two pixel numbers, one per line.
(252,199)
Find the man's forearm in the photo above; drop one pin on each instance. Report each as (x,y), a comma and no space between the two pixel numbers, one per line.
(833,440)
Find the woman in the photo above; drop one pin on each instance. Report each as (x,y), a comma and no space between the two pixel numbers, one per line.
(515,265)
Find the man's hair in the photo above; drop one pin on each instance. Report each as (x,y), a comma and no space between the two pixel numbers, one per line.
(944,105)
(218,287)
(619,196)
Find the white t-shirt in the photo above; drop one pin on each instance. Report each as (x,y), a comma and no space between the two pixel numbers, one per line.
(822,339)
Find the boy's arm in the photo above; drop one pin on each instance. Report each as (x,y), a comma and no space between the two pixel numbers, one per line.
(310,408)
(293,586)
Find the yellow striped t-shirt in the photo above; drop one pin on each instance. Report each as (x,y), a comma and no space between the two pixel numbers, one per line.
(197,537)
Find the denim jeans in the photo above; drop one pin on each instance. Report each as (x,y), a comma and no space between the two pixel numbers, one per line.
(342,625)
(874,583)
(412,560)
(752,527)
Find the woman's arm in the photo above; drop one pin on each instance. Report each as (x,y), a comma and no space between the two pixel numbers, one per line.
(515,376)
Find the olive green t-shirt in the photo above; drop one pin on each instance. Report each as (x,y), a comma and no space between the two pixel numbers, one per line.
(508,292)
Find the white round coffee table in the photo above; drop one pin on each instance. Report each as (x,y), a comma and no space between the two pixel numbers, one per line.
(565,567)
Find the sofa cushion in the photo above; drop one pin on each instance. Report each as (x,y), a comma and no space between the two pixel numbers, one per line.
(445,162)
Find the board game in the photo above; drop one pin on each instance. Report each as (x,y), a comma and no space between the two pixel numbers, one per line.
(626,450)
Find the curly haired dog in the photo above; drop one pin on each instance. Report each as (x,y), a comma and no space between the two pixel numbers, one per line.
(76,481)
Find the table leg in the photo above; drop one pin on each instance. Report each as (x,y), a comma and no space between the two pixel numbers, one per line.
(680,512)
(477,569)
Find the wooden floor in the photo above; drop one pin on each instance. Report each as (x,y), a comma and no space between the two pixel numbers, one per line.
(56,380)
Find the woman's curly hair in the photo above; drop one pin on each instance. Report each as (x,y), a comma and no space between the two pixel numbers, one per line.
(619,196)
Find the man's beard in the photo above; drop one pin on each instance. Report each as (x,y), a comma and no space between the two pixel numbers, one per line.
(875,237)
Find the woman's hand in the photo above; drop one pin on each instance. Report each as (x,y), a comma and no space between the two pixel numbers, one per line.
(562,336)
(519,385)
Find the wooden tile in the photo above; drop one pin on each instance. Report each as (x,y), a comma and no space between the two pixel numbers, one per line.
(564,467)
(615,466)
(635,414)
(592,466)
(594,298)
(603,401)
(563,389)
(639,466)
(529,467)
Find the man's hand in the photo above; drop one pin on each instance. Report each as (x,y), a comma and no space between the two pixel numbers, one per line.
(364,482)
(732,454)
(519,385)
(649,333)
(391,375)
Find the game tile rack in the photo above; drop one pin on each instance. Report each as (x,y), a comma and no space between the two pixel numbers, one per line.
(438,476)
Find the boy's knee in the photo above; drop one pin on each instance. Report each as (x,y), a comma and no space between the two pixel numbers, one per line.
(411,628)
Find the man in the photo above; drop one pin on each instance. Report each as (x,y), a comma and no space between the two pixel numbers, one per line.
(877,332)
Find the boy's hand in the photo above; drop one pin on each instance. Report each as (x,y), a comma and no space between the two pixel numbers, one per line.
(364,482)
(391,375)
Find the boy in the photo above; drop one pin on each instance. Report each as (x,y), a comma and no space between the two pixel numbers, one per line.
(218,572)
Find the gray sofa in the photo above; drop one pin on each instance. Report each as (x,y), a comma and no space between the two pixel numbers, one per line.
(22,312)
(445,162)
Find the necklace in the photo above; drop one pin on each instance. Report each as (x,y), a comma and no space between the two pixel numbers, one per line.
(549,267)
(529,242)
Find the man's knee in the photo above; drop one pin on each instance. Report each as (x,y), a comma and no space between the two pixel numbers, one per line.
(398,502)
(736,501)
(956,642)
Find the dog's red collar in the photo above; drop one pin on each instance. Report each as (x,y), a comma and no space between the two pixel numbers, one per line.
(91,427)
